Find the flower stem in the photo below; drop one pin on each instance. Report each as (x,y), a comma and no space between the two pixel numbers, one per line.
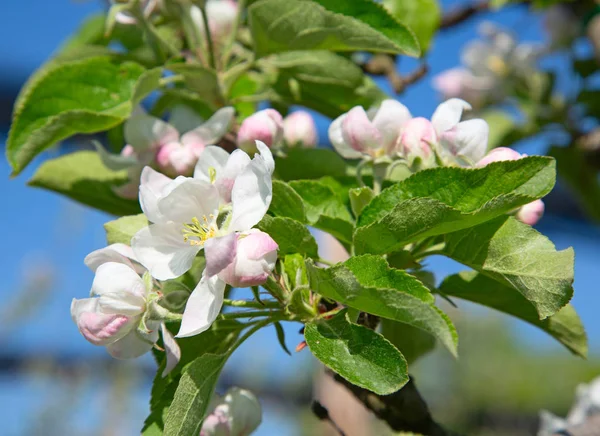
(251,314)
(211,47)
(234,32)
(253,304)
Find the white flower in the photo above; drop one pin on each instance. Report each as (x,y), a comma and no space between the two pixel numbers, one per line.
(416,140)
(359,134)
(222,15)
(189,214)
(461,83)
(299,129)
(113,319)
(152,141)
(238,413)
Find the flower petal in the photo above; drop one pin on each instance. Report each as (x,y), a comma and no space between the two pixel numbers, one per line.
(119,253)
(245,411)
(152,183)
(213,130)
(121,289)
(499,154)
(531,213)
(144,132)
(219,252)
(388,119)
(252,191)
(133,344)
(97,327)
(191,198)
(238,161)
(467,139)
(202,307)
(212,157)
(337,139)
(448,114)
(359,132)
(162,250)
(171,348)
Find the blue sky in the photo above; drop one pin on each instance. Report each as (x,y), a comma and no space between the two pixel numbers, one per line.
(40,225)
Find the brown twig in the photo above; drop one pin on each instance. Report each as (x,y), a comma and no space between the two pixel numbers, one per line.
(322,413)
(462,14)
(404,410)
(385,65)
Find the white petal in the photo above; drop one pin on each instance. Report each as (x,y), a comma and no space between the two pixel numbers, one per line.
(133,345)
(144,132)
(162,250)
(245,410)
(389,119)
(171,348)
(202,307)
(337,140)
(252,192)
(213,130)
(152,184)
(97,327)
(237,163)
(359,132)
(119,253)
(191,198)
(121,289)
(468,139)
(212,157)
(447,114)
(79,306)
(219,253)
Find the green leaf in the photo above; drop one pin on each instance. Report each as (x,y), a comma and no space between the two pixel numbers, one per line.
(443,200)
(83,177)
(565,326)
(421,16)
(309,163)
(202,81)
(291,236)
(360,355)
(323,81)
(517,256)
(359,198)
(122,229)
(336,25)
(64,99)
(585,67)
(575,168)
(324,209)
(367,283)
(286,202)
(411,341)
(193,395)
(281,337)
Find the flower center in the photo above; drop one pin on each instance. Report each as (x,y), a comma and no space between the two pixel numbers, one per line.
(497,65)
(199,231)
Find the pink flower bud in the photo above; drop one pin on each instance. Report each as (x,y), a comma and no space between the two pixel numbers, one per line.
(531,213)
(265,126)
(254,259)
(175,159)
(238,413)
(101,329)
(222,15)
(499,154)
(417,135)
(299,129)
(451,82)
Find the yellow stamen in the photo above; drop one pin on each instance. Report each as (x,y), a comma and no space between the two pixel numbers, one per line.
(198,232)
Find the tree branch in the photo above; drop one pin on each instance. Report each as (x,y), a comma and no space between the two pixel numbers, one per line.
(385,65)
(322,413)
(404,410)
(462,14)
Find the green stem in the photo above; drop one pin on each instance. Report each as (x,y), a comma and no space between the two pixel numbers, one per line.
(325,262)
(253,304)
(251,314)
(234,32)
(171,79)
(249,333)
(211,48)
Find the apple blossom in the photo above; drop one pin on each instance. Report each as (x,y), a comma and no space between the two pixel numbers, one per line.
(299,129)
(530,213)
(152,141)
(415,141)
(358,134)
(461,83)
(124,17)
(188,215)
(265,126)
(238,413)
(221,15)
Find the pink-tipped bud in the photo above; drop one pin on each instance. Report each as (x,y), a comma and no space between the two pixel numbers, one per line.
(255,257)
(238,413)
(102,329)
(417,136)
(531,213)
(175,159)
(299,129)
(498,155)
(265,126)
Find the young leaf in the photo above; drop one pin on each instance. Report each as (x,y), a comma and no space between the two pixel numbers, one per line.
(360,355)
(286,202)
(410,341)
(421,16)
(443,200)
(85,96)
(83,177)
(323,81)
(324,209)
(309,163)
(291,236)
(122,229)
(565,326)
(281,337)
(519,257)
(201,81)
(359,198)
(367,283)
(336,25)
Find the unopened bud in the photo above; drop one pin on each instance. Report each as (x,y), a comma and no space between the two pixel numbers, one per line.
(417,136)
(265,126)
(299,129)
